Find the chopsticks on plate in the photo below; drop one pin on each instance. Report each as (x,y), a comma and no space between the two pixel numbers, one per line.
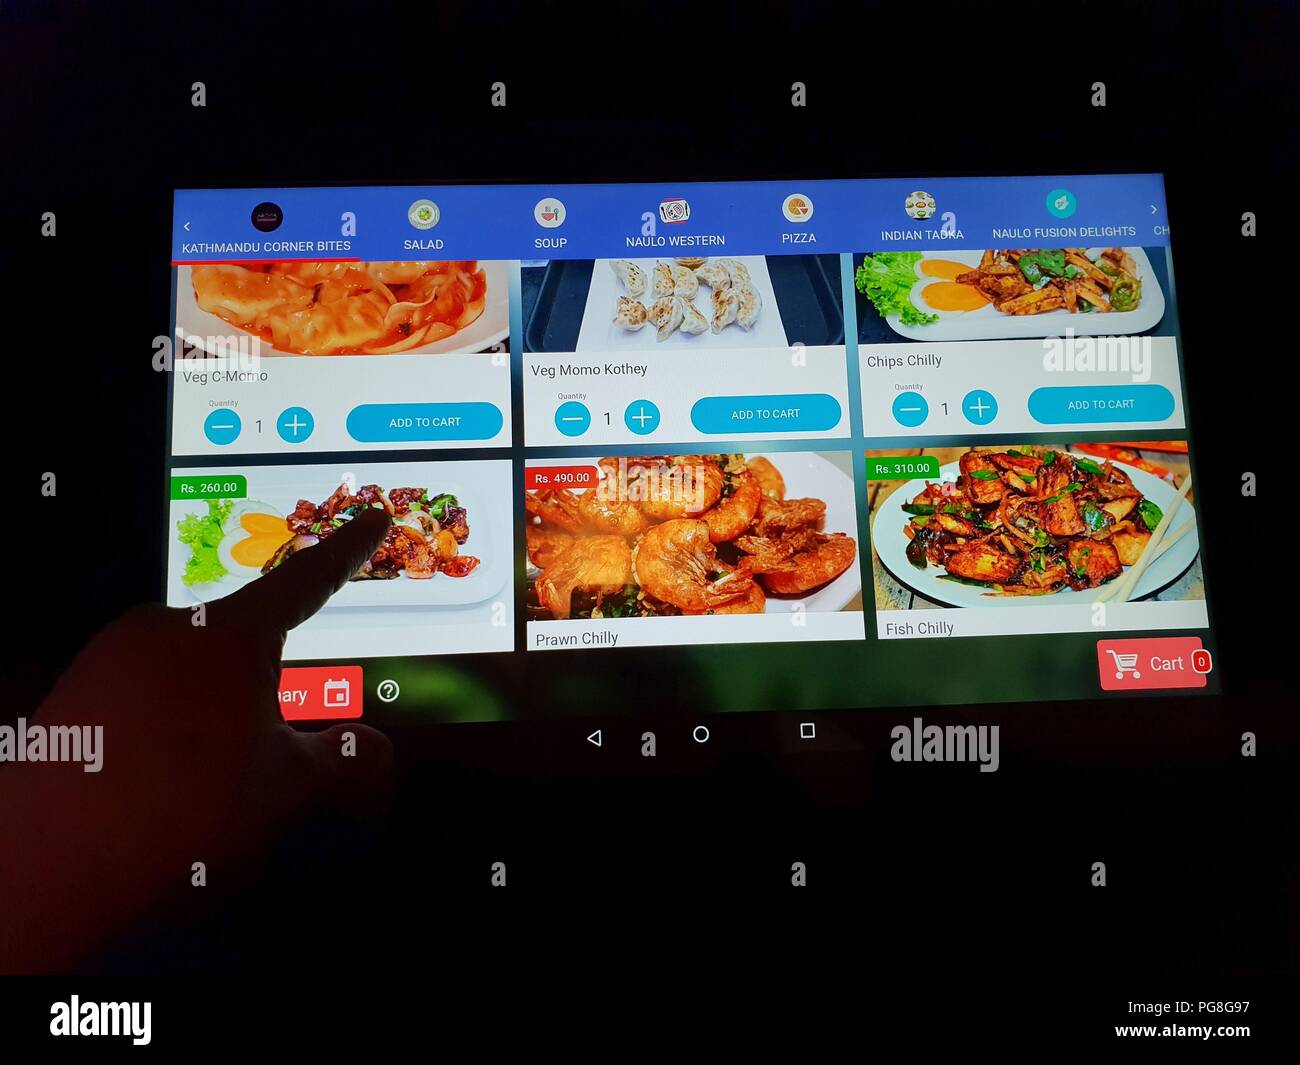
(1120,453)
(1174,447)
(1121,590)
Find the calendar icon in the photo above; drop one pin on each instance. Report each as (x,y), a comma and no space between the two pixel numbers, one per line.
(337,694)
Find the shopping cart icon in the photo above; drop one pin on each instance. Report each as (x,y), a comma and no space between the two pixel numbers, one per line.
(1125,664)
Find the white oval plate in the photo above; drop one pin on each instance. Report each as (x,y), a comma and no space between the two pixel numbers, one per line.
(491,545)
(988,323)
(891,545)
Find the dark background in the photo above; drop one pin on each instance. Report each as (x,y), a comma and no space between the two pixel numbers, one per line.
(931,865)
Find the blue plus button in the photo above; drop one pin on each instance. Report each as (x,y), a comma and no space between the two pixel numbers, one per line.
(222,427)
(910,409)
(979,406)
(295,425)
(572,418)
(641,417)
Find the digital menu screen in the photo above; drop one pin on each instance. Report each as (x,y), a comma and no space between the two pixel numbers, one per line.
(731,446)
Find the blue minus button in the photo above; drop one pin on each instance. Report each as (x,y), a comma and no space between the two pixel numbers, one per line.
(1078,404)
(813,412)
(374,423)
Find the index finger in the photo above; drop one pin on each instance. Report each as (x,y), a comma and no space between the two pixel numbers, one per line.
(303,583)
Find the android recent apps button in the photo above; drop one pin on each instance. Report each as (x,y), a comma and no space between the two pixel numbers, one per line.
(734,415)
(373,423)
(1086,404)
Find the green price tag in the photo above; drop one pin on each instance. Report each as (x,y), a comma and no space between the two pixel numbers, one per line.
(211,486)
(901,468)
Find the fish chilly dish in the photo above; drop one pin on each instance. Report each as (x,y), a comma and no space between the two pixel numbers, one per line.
(425,538)
(1030,522)
(677,535)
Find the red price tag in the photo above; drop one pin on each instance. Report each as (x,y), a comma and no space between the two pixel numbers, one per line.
(536,477)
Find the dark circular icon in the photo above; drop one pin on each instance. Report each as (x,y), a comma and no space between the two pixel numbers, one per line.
(267,216)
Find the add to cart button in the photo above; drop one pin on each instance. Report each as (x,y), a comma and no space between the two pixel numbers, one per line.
(375,423)
(1075,404)
(1158,662)
(728,415)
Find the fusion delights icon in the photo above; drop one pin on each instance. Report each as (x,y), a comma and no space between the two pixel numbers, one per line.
(920,205)
(676,210)
(1061,203)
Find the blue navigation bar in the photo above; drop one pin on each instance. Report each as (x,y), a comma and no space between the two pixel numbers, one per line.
(691,218)
(732,415)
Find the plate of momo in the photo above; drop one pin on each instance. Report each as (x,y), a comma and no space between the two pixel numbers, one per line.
(691,301)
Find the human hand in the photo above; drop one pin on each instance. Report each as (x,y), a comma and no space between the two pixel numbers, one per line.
(197,764)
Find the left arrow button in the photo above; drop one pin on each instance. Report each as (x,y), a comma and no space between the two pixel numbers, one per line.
(595,738)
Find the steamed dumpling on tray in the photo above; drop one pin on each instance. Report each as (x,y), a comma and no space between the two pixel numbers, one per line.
(632,276)
(725,305)
(736,270)
(685,283)
(667,313)
(714,275)
(630,314)
(748,304)
(692,320)
(664,283)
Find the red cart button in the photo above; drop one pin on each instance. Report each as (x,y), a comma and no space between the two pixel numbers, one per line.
(1159,662)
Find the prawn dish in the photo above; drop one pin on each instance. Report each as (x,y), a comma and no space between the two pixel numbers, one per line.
(677,535)
(424,540)
(330,308)
(1030,522)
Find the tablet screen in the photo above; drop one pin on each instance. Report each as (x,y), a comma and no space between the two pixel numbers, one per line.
(737,446)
